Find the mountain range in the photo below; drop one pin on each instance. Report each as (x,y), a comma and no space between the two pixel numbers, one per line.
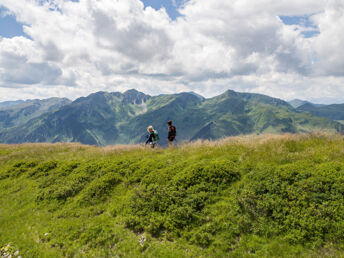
(334,111)
(105,118)
(298,102)
(16,113)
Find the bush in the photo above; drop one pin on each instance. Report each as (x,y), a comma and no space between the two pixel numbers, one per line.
(19,168)
(179,204)
(214,174)
(70,178)
(98,189)
(301,201)
(43,169)
(63,189)
(98,236)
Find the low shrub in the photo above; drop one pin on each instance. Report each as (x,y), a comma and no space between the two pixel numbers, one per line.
(98,189)
(179,204)
(19,168)
(265,196)
(43,169)
(303,202)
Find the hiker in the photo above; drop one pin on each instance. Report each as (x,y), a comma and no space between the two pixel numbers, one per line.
(171,133)
(153,136)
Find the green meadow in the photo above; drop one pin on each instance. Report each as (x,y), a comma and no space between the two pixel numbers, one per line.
(249,196)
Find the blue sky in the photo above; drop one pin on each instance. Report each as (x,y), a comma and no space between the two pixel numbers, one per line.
(170,6)
(302,21)
(9,27)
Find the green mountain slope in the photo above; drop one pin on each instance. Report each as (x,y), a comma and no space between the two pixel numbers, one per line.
(251,196)
(298,102)
(17,113)
(6,104)
(181,108)
(334,112)
(90,120)
(115,118)
(242,113)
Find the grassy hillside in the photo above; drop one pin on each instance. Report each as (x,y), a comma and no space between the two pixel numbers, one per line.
(258,196)
(334,111)
(16,113)
(104,118)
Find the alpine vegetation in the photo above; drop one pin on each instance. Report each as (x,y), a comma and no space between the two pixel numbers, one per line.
(260,196)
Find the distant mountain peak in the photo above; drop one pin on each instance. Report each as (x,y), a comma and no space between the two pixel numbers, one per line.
(196,94)
(307,104)
(133,96)
(228,93)
(231,92)
(132,91)
(296,103)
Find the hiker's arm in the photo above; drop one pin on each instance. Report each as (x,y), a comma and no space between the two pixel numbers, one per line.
(150,138)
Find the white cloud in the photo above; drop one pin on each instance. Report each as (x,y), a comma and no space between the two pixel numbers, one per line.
(329,44)
(76,48)
(20,64)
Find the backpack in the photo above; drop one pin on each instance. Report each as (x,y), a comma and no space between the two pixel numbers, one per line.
(156,136)
(173,131)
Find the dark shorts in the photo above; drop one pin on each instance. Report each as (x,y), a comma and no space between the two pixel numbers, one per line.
(171,139)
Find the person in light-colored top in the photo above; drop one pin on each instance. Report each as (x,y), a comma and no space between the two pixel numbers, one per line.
(153,137)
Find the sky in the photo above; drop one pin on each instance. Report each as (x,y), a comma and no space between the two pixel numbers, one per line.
(63,48)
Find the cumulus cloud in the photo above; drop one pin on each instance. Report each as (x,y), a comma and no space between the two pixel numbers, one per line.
(330,41)
(231,39)
(19,64)
(76,48)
